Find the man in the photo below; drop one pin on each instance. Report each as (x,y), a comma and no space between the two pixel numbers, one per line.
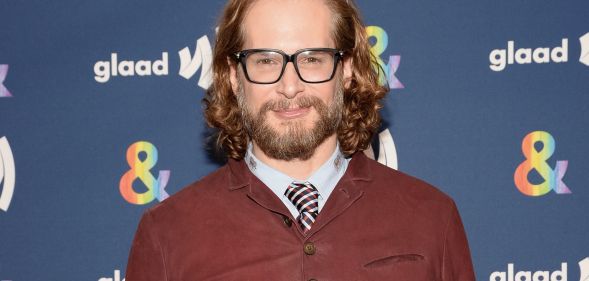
(295,99)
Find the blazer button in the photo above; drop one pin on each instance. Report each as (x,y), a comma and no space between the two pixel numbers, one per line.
(309,248)
(312,279)
(287,221)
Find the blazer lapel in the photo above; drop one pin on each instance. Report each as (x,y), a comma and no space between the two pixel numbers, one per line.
(347,192)
(258,192)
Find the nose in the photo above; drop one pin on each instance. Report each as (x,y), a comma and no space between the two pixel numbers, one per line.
(290,84)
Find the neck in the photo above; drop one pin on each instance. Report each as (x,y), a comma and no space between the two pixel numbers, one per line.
(297,168)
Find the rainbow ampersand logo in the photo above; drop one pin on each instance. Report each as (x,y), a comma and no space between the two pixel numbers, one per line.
(140,169)
(378,48)
(536,160)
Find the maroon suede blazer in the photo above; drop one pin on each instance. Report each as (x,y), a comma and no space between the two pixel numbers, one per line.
(378,224)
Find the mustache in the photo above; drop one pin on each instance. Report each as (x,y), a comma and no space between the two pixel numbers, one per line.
(300,102)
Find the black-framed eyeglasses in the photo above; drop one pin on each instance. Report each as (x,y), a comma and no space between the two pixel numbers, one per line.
(266,66)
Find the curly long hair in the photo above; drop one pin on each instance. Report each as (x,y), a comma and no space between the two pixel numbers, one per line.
(360,117)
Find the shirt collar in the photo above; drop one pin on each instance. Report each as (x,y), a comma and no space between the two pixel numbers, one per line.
(324,179)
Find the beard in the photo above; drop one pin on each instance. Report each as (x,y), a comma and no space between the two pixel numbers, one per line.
(296,142)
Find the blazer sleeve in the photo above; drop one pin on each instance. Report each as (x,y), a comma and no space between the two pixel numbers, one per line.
(457,263)
(146,259)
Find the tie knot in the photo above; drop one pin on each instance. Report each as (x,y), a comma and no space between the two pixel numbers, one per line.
(304,196)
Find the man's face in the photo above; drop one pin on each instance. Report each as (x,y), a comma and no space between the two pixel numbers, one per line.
(290,118)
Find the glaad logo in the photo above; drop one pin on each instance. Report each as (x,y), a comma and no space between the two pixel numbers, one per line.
(536,160)
(116,277)
(377,49)
(104,70)
(540,275)
(142,157)
(7,174)
(500,58)
(387,153)
(203,57)
(584,57)
(4,93)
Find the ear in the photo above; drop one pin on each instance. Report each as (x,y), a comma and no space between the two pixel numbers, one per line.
(348,67)
(233,68)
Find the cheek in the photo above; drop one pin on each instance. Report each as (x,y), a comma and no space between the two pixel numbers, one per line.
(325,92)
(256,95)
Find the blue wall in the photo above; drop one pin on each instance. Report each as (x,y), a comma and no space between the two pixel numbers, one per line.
(457,123)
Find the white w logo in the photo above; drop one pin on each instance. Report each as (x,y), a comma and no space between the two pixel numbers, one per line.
(7,174)
(387,152)
(584,58)
(203,56)
(584,269)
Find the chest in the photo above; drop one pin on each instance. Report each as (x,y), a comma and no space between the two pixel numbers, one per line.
(250,242)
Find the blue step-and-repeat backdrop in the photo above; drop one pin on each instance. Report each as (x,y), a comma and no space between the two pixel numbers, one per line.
(489,102)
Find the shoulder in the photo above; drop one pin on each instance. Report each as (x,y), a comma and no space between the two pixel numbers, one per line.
(197,195)
(385,182)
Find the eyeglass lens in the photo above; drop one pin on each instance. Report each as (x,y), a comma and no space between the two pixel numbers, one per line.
(312,65)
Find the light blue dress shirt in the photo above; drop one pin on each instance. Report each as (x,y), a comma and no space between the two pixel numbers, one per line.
(324,179)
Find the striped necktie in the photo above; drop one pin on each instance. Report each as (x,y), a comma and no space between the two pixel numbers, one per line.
(304,196)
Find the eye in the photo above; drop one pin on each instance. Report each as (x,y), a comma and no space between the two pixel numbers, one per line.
(314,60)
(265,61)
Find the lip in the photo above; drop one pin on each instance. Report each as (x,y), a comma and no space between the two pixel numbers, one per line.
(292,113)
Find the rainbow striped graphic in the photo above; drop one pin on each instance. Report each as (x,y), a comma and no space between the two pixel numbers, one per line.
(536,160)
(140,168)
(4,93)
(381,42)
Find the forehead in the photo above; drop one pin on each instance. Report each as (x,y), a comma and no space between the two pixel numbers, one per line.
(288,25)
